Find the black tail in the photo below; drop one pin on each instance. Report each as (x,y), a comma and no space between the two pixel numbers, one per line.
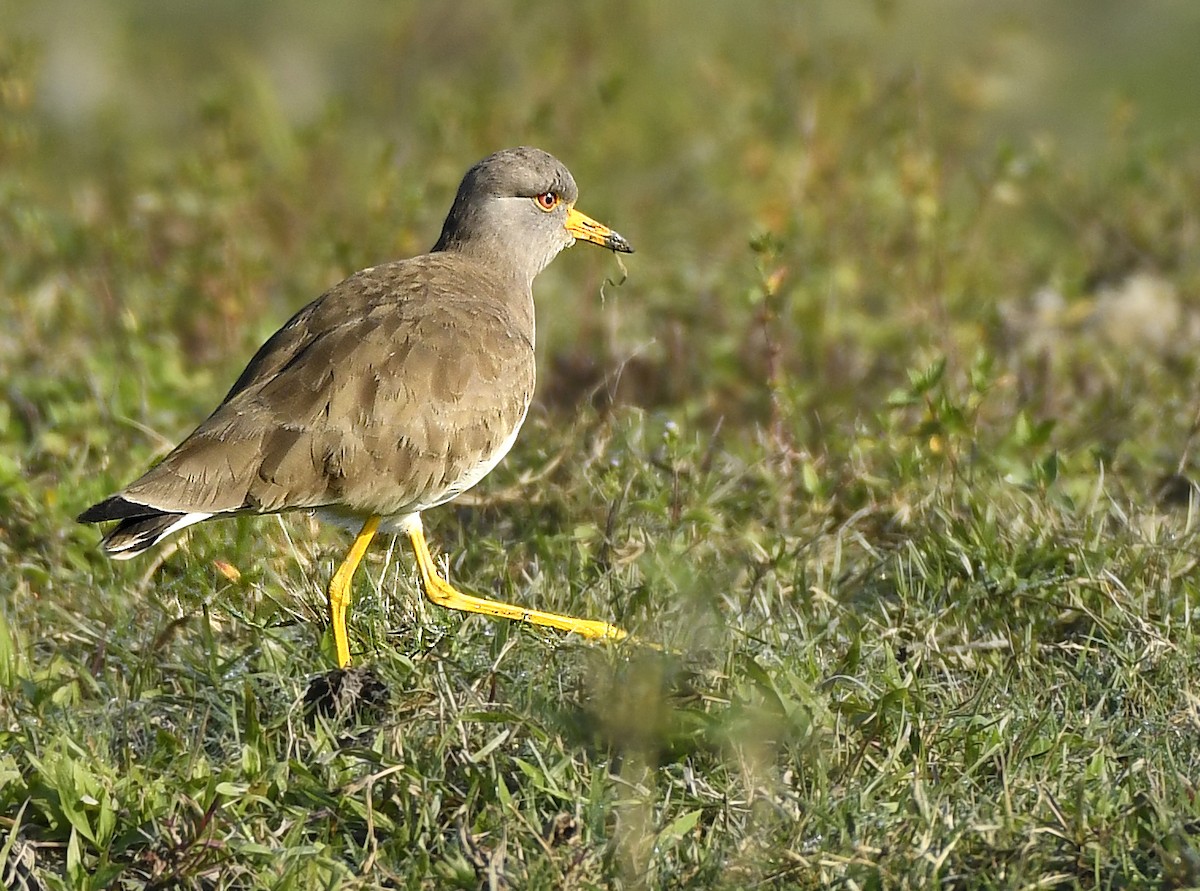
(115,508)
(140,528)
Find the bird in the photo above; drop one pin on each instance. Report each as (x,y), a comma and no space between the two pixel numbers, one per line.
(397,390)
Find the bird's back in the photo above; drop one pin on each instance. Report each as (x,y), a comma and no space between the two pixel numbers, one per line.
(377,397)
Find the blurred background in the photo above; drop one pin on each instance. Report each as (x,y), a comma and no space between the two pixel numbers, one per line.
(200,170)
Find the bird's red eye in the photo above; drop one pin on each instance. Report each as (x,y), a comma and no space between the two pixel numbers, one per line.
(547,201)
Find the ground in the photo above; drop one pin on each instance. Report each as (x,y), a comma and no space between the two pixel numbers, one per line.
(884,436)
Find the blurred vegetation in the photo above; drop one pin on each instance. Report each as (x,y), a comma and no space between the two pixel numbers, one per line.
(886,431)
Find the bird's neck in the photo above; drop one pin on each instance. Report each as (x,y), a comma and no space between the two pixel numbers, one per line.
(507,285)
(517,269)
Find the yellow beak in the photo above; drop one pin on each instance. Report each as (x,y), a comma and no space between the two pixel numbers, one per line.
(583,227)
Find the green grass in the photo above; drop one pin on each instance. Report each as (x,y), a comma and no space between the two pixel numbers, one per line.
(886,432)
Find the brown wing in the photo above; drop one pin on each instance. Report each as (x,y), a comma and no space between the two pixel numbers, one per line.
(377,398)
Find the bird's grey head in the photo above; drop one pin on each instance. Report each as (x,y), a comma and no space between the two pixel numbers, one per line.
(516,210)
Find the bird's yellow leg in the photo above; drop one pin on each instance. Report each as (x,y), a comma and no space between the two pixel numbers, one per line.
(339,589)
(444,594)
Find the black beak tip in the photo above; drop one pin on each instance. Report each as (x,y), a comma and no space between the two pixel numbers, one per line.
(618,244)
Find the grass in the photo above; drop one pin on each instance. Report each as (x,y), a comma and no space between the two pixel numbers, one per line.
(886,432)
